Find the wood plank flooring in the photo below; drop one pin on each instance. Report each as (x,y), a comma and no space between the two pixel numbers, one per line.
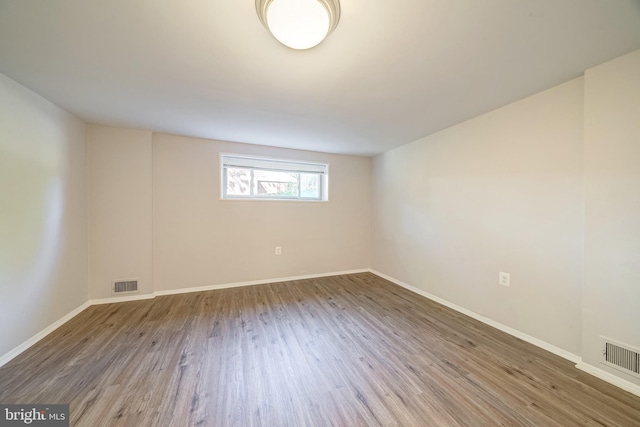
(350,350)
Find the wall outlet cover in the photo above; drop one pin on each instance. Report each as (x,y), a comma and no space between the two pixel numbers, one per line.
(504,279)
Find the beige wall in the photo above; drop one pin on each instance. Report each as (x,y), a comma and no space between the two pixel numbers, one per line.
(612,198)
(501,192)
(43,238)
(200,240)
(155,214)
(120,208)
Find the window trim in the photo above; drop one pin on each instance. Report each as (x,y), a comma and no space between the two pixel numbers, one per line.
(285,165)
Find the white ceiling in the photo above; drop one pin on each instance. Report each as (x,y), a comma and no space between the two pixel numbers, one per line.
(392,72)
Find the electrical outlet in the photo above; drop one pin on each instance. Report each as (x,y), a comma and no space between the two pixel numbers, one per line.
(278,250)
(504,279)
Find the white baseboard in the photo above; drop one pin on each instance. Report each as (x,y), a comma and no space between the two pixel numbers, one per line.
(127,298)
(610,378)
(5,358)
(504,328)
(256,282)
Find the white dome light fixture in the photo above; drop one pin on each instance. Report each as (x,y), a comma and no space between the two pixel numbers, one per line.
(299,24)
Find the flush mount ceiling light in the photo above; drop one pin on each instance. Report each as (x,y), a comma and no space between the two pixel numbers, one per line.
(299,24)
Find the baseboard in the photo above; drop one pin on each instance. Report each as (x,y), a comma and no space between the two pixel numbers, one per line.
(256,282)
(504,328)
(127,298)
(610,378)
(5,358)
(220,286)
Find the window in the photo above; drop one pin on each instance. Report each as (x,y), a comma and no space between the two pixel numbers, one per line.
(260,178)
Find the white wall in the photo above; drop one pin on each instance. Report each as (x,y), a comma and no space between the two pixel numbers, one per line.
(200,240)
(43,238)
(120,208)
(611,295)
(501,192)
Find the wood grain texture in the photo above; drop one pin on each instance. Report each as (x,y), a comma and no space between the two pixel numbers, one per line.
(350,350)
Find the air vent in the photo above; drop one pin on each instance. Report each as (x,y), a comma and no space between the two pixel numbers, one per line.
(125,286)
(621,357)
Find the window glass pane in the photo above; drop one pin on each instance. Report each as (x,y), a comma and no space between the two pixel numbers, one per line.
(310,185)
(272,179)
(238,182)
(275,183)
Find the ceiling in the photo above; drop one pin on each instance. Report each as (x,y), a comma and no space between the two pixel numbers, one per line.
(392,71)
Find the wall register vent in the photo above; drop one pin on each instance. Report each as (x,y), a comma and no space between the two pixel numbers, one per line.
(621,357)
(125,286)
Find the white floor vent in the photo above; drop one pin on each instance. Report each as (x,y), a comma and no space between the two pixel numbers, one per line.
(125,286)
(621,357)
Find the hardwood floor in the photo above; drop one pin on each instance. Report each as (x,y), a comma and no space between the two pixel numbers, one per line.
(350,350)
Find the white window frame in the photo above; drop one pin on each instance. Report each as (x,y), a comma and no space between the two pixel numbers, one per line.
(267,163)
